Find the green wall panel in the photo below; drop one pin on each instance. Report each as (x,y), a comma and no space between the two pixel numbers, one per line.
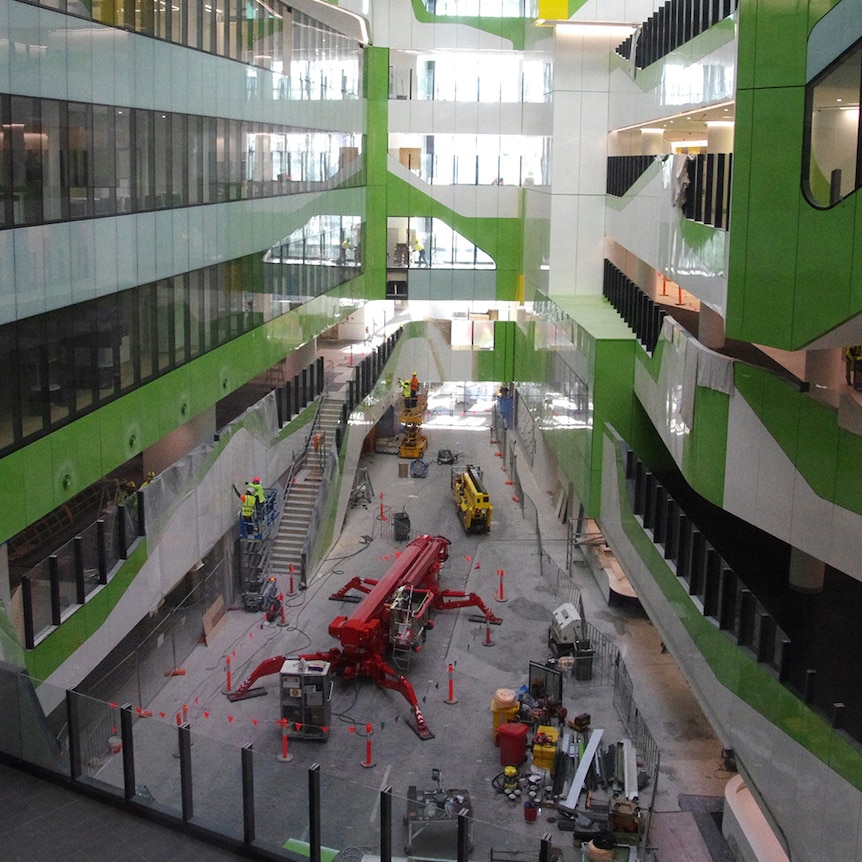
(773,200)
(780,26)
(817,447)
(512,29)
(793,272)
(705,451)
(376,152)
(734,667)
(826,456)
(63,641)
(91,447)
(498,364)
(501,238)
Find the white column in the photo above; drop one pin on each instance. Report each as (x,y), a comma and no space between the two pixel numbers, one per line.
(719,136)
(806,572)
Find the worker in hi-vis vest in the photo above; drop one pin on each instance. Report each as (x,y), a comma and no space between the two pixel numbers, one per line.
(257,490)
(248,504)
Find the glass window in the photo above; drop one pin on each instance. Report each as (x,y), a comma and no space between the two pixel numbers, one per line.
(210,155)
(104,161)
(130,359)
(177,32)
(62,160)
(145,178)
(147,331)
(125,176)
(195,160)
(161,160)
(6,195)
(10,399)
(25,132)
(166,357)
(194,23)
(80,160)
(831,169)
(179,169)
(196,321)
(180,290)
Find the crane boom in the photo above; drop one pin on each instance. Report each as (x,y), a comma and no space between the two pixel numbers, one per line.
(393,609)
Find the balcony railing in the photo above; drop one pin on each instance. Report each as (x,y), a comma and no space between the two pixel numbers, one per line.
(706,188)
(671,26)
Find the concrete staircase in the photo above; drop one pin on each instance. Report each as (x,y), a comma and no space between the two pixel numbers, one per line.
(301,495)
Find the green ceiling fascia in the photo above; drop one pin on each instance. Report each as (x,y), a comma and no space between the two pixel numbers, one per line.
(793,268)
(705,447)
(511,29)
(732,666)
(75,456)
(498,364)
(826,455)
(501,238)
(60,644)
(48,655)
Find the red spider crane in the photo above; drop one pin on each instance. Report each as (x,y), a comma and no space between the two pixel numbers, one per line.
(394,613)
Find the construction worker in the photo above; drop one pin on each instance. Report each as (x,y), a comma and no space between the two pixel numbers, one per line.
(257,490)
(247,510)
(852,361)
(405,391)
(414,385)
(421,260)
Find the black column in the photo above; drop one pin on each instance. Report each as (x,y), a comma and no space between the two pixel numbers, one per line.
(73,722)
(186,788)
(54,575)
(314,832)
(101,546)
(78,548)
(127,735)
(247,794)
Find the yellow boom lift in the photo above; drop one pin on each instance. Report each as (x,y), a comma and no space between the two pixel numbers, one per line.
(414,443)
(471,499)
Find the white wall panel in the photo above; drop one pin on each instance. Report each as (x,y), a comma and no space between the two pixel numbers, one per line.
(145,248)
(58,288)
(144,77)
(5,49)
(763,487)
(7,277)
(82,260)
(126,253)
(790,777)
(105,253)
(30,271)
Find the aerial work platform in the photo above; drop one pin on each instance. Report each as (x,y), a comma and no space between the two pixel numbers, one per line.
(414,442)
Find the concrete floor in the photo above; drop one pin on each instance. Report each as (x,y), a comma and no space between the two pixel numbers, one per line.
(354,765)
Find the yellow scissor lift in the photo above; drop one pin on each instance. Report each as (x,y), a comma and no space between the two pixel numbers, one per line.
(414,443)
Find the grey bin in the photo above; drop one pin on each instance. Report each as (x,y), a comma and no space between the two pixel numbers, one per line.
(584,660)
(401,526)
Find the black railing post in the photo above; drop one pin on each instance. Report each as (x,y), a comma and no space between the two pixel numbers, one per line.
(463,836)
(73,723)
(78,549)
(314,832)
(127,735)
(122,537)
(386,824)
(186,786)
(27,603)
(142,518)
(54,576)
(102,552)
(247,793)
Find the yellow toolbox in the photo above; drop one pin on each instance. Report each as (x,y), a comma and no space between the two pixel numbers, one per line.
(545,747)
